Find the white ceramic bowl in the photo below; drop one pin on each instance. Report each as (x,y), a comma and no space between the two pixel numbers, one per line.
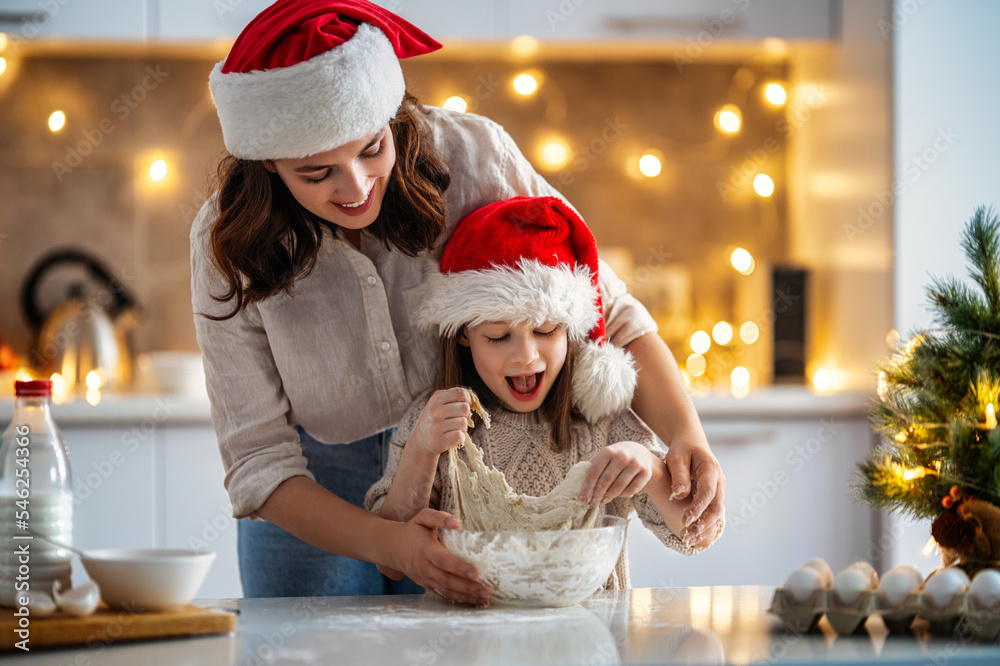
(173,372)
(147,578)
(551,568)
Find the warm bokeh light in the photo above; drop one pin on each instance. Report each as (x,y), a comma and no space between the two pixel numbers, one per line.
(729,118)
(696,365)
(822,379)
(742,261)
(775,94)
(3,65)
(60,387)
(3,41)
(456,103)
(740,377)
(649,165)
(555,154)
(525,84)
(883,385)
(701,342)
(524,45)
(22,375)
(763,185)
(749,332)
(991,416)
(722,333)
(158,170)
(93,397)
(57,120)
(892,339)
(93,380)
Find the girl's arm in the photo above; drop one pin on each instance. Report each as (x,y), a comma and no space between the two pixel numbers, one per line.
(442,425)
(312,513)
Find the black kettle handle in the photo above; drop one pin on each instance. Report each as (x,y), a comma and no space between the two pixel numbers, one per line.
(123,300)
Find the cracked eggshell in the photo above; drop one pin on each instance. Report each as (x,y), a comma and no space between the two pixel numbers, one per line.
(899,582)
(39,603)
(819,565)
(803,582)
(942,587)
(78,601)
(985,588)
(849,584)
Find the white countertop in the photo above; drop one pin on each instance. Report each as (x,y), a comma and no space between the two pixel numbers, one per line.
(769,402)
(703,625)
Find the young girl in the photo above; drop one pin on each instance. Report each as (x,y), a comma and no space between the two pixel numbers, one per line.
(520,317)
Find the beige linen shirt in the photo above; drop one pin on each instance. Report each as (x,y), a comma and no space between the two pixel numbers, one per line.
(340,355)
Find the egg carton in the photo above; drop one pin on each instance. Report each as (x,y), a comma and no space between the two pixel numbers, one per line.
(962,615)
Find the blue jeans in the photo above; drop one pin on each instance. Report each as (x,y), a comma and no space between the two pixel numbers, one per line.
(273,563)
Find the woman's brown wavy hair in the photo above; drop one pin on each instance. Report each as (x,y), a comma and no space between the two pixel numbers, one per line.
(456,368)
(263,240)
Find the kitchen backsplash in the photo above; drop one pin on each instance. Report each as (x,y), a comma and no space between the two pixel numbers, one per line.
(670,235)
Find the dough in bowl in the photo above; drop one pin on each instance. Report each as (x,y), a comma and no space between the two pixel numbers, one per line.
(484,501)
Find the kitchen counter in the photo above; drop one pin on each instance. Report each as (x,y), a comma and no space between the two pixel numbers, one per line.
(705,625)
(766,402)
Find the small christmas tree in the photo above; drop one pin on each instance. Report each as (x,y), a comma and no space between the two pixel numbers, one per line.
(938,398)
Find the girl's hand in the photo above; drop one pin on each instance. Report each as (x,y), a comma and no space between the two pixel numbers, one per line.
(443,422)
(619,470)
(423,558)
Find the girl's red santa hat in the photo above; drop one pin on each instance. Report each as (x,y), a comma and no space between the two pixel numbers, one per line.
(532,259)
(306,76)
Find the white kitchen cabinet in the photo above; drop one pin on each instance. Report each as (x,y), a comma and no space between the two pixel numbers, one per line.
(205,20)
(699,23)
(788,499)
(77,19)
(153,483)
(113,475)
(197,513)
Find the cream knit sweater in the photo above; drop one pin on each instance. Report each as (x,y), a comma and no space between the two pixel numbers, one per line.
(518,445)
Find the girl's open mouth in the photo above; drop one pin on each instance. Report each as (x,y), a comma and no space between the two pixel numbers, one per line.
(525,387)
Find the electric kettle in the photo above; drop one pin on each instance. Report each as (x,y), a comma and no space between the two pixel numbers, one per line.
(85,338)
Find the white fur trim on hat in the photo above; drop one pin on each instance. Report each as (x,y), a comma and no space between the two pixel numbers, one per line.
(530,292)
(604,379)
(322,103)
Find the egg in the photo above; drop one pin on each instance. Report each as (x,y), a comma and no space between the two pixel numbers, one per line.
(820,566)
(985,589)
(942,587)
(803,582)
(79,601)
(897,583)
(866,570)
(849,584)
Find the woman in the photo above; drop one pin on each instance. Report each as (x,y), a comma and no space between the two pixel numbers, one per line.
(305,269)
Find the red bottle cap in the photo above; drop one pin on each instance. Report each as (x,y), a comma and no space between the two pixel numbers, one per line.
(35,388)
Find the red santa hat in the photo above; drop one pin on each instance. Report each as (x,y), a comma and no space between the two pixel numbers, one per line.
(532,259)
(306,76)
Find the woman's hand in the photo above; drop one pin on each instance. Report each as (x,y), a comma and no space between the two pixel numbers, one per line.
(442,423)
(692,464)
(421,556)
(618,470)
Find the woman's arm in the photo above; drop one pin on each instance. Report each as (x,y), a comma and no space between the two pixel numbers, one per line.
(662,401)
(307,510)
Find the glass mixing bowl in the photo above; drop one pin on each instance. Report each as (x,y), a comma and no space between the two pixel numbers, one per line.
(550,568)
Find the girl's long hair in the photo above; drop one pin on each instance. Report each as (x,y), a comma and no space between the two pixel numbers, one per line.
(263,240)
(456,368)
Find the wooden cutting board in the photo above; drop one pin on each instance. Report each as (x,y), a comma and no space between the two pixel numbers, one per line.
(111,626)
